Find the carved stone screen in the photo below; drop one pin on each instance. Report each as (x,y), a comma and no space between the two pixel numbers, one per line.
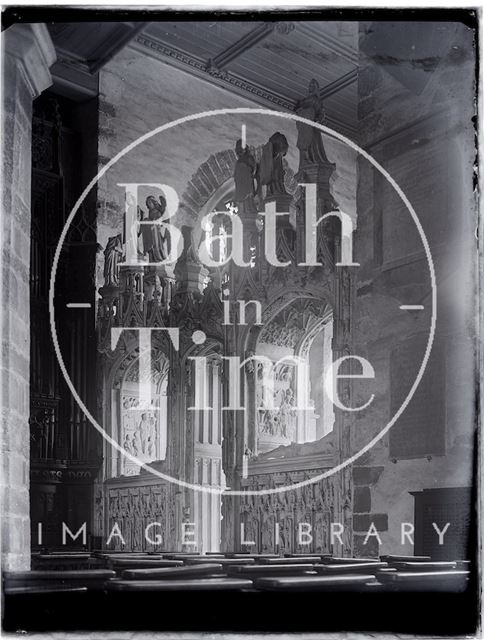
(420,430)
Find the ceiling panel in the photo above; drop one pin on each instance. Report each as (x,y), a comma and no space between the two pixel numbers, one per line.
(202,39)
(281,60)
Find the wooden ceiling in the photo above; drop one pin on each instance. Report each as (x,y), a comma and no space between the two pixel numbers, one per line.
(268,62)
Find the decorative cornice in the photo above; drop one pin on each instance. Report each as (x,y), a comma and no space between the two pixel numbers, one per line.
(201,68)
(222,78)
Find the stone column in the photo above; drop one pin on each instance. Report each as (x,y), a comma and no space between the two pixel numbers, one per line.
(28,55)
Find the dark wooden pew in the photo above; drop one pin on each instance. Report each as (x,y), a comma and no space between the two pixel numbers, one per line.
(42,589)
(256,556)
(449,581)
(289,561)
(307,555)
(424,566)
(268,570)
(332,560)
(225,562)
(359,567)
(168,573)
(181,556)
(60,561)
(390,558)
(201,584)
(90,579)
(121,564)
(315,583)
(34,607)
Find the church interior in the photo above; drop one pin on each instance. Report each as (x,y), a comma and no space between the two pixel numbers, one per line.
(205,388)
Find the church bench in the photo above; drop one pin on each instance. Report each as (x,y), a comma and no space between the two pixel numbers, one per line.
(307,555)
(118,552)
(452,581)
(256,556)
(315,583)
(332,560)
(200,584)
(262,570)
(91,579)
(41,589)
(288,561)
(133,556)
(225,562)
(195,571)
(424,566)
(132,563)
(63,554)
(392,558)
(32,607)
(359,567)
(181,556)
(61,561)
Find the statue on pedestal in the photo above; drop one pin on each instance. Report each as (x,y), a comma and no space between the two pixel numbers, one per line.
(155,237)
(272,167)
(112,256)
(309,141)
(245,176)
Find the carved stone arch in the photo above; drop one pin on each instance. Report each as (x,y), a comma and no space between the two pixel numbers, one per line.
(277,304)
(128,355)
(213,180)
(210,177)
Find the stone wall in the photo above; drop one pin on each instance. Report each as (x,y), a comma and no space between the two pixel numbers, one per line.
(28,55)
(416,88)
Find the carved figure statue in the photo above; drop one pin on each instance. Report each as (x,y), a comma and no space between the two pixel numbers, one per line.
(245,176)
(112,255)
(156,240)
(288,415)
(127,444)
(271,165)
(309,141)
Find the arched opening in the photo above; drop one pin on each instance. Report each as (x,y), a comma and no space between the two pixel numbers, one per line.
(143,430)
(292,351)
(140,429)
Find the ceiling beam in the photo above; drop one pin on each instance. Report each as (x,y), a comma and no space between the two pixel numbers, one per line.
(166,53)
(339,84)
(117,41)
(250,39)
